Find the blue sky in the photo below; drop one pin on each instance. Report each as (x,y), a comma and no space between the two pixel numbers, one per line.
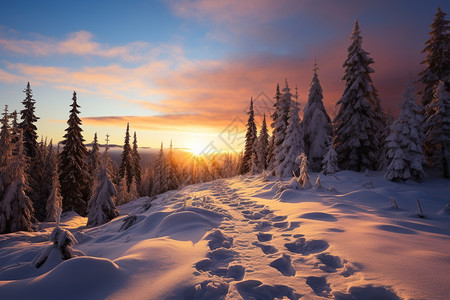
(186,69)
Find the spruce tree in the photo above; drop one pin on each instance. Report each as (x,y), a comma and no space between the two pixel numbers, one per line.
(293,144)
(438,128)
(15,131)
(5,141)
(101,208)
(437,68)
(329,162)
(136,157)
(281,124)
(16,209)
(316,124)
(38,192)
(51,188)
(73,168)
(278,128)
(93,160)
(404,144)
(262,148)
(127,160)
(250,139)
(27,125)
(160,173)
(356,129)
(437,61)
(172,175)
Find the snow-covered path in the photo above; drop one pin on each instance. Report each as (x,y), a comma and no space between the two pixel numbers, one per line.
(256,253)
(249,238)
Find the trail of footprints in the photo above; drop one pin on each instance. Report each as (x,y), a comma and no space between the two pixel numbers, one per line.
(225,261)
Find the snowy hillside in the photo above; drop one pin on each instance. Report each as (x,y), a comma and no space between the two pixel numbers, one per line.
(249,238)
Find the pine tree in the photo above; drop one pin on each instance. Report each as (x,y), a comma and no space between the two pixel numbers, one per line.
(93,159)
(160,173)
(27,125)
(123,196)
(293,144)
(101,208)
(136,157)
(262,147)
(73,168)
(316,124)
(16,209)
(437,68)
(281,125)
(405,142)
(250,139)
(303,178)
(438,128)
(38,191)
(437,61)
(329,162)
(5,141)
(15,131)
(172,175)
(54,200)
(127,160)
(356,130)
(278,128)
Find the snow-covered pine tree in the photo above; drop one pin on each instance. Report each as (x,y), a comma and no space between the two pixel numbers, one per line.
(38,191)
(329,162)
(54,200)
(316,124)
(111,166)
(93,159)
(282,164)
(15,131)
(73,169)
(356,129)
(5,141)
(277,129)
(438,128)
(303,178)
(160,173)
(133,194)
(437,61)
(123,196)
(437,69)
(293,145)
(404,144)
(136,157)
(127,159)
(262,146)
(101,208)
(50,170)
(172,174)
(250,139)
(16,209)
(27,125)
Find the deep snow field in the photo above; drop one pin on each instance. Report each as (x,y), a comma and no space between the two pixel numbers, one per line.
(246,238)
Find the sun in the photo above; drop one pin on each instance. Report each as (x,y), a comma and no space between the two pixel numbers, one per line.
(196,148)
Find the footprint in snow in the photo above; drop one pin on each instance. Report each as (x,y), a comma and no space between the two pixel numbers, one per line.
(255,289)
(264,237)
(319,285)
(267,249)
(307,247)
(284,265)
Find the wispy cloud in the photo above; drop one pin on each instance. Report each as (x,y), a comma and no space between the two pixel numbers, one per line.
(82,43)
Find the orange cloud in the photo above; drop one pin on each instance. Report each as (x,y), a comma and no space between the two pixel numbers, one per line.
(81,43)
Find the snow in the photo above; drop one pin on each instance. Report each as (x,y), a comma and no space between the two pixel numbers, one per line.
(246,237)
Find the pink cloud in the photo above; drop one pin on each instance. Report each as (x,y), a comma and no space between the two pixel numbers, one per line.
(82,43)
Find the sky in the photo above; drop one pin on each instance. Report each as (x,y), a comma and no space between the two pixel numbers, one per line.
(185,70)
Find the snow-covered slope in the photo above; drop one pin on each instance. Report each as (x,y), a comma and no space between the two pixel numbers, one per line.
(243,238)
